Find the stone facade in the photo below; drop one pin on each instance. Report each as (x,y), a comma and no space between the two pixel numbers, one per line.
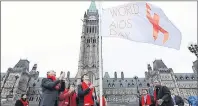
(16,81)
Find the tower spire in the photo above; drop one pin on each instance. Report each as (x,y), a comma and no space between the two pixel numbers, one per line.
(92,7)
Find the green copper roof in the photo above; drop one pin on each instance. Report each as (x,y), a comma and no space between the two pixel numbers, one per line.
(92,7)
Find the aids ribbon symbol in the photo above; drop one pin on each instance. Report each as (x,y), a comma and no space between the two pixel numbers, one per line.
(155,22)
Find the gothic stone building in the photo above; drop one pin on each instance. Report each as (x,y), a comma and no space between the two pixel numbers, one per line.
(125,91)
(119,91)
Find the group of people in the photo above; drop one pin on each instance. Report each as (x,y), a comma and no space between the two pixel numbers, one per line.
(158,95)
(55,92)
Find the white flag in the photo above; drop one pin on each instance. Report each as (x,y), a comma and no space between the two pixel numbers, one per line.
(141,22)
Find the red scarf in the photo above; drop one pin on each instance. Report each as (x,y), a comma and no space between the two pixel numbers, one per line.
(155,95)
(148,100)
(25,103)
(53,78)
(73,99)
(67,98)
(87,98)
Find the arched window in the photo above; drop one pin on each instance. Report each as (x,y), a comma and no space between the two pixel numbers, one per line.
(140,84)
(187,77)
(121,85)
(129,84)
(113,85)
(37,98)
(181,78)
(109,85)
(132,83)
(88,40)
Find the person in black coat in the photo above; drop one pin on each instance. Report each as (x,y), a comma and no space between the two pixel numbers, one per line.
(22,101)
(177,100)
(51,88)
(82,93)
(162,95)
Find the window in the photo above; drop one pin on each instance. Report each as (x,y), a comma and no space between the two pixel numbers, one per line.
(34,84)
(140,84)
(90,30)
(129,84)
(121,85)
(88,40)
(37,98)
(187,77)
(113,85)
(193,77)
(181,78)
(109,85)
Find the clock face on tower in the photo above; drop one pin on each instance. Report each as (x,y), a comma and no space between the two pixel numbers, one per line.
(92,18)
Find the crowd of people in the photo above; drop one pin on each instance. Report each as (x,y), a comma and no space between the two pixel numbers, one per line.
(158,95)
(55,93)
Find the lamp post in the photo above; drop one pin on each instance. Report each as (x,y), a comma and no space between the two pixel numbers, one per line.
(193,49)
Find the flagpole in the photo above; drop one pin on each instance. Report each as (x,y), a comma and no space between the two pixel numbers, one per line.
(100,53)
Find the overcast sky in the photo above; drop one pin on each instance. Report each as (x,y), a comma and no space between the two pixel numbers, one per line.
(48,33)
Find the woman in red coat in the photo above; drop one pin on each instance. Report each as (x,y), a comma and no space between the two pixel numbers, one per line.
(145,99)
(23,101)
(68,97)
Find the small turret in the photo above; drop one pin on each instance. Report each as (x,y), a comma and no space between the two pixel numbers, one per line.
(68,74)
(85,15)
(149,67)
(122,75)
(115,75)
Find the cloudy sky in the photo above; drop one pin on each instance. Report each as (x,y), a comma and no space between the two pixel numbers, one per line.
(48,33)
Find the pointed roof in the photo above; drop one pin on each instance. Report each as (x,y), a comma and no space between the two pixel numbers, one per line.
(92,7)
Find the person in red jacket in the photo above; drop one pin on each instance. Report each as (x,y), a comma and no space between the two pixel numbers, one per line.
(145,99)
(23,101)
(68,97)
